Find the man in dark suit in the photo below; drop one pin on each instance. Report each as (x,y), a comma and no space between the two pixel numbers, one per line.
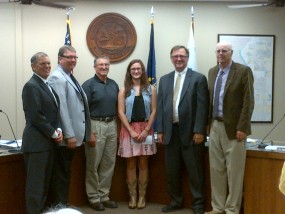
(183,104)
(42,132)
(74,118)
(231,107)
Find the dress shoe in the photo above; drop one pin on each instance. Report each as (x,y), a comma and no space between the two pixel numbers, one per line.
(98,206)
(213,212)
(198,211)
(170,208)
(110,204)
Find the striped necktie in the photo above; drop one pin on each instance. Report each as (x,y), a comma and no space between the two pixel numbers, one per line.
(217,95)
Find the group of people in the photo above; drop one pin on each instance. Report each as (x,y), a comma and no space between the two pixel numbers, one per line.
(61,115)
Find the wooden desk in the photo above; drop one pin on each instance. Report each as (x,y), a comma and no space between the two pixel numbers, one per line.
(12,183)
(262,173)
(261,193)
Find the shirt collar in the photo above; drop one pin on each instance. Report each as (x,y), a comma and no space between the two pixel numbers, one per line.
(226,69)
(44,80)
(181,72)
(99,80)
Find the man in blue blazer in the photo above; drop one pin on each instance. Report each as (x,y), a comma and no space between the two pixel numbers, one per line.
(183,104)
(41,133)
(74,118)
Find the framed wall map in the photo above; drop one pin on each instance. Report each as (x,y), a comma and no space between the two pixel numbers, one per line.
(257,52)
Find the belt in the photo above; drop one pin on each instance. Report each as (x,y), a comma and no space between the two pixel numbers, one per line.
(104,119)
(220,119)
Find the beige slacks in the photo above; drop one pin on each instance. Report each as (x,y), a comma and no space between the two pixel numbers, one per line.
(227,164)
(100,161)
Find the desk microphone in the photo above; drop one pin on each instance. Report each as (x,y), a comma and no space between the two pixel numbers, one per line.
(18,147)
(263,145)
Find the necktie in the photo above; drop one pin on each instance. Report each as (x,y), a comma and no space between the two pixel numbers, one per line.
(176,91)
(76,83)
(52,92)
(84,102)
(176,88)
(217,95)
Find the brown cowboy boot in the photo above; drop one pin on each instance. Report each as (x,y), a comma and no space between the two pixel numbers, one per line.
(133,194)
(142,193)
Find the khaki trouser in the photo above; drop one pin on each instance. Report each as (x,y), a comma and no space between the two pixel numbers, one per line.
(227,164)
(100,161)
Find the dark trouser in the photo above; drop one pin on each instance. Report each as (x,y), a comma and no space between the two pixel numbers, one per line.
(192,156)
(38,175)
(61,174)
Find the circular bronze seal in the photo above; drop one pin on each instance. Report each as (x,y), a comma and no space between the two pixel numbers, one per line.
(113,35)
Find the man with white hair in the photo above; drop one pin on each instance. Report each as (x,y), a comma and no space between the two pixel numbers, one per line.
(231,106)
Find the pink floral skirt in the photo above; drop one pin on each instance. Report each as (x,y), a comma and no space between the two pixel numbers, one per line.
(127,149)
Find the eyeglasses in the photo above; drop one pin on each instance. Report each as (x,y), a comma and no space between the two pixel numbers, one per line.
(179,56)
(136,69)
(223,51)
(103,65)
(70,57)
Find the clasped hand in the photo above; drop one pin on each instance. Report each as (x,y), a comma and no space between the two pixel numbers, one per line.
(139,138)
(59,137)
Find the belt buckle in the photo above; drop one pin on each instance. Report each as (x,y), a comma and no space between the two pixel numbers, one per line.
(108,119)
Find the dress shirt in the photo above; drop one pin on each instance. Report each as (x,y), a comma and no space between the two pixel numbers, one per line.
(175,111)
(226,71)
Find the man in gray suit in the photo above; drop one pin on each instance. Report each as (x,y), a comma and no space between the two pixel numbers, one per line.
(74,118)
(183,104)
(232,103)
(41,133)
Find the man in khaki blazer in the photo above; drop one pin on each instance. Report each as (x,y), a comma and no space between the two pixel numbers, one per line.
(229,127)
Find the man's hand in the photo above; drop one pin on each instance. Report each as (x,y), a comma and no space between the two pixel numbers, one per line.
(241,136)
(59,137)
(92,142)
(198,138)
(160,138)
(71,143)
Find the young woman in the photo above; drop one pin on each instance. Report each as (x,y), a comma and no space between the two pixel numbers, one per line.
(137,110)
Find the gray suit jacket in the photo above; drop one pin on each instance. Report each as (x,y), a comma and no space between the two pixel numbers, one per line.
(193,106)
(42,116)
(72,109)
(238,100)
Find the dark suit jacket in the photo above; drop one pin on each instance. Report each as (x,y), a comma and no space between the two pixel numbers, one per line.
(193,106)
(42,116)
(238,100)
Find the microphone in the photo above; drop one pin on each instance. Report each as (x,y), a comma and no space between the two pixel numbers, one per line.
(18,147)
(263,145)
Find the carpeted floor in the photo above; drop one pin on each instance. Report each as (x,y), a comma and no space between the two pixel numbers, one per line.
(123,209)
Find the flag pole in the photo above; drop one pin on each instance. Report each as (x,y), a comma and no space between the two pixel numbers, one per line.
(151,63)
(152,15)
(192,18)
(192,61)
(68,9)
